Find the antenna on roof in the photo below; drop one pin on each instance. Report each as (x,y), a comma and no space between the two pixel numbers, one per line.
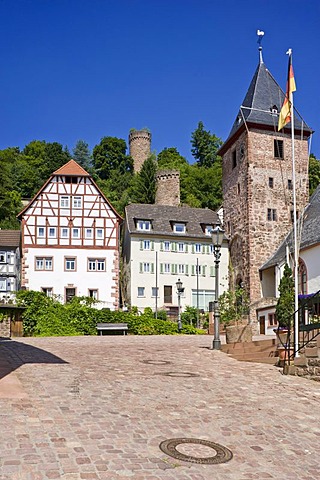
(260,34)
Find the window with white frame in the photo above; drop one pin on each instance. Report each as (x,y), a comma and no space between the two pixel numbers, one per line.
(76,233)
(99,233)
(93,293)
(96,264)
(146,245)
(166,246)
(77,202)
(146,267)
(2,257)
(3,285)
(179,227)
(198,248)
(41,232)
(141,291)
(181,268)
(155,292)
(52,232)
(44,263)
(64,201)
(70,264)
(166,268)
(48,291)
(181,247)
(89,232)
(201,299)
(143,225)
(64,232)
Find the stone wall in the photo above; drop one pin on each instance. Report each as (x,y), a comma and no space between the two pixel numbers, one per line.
(5,327)
(139,147)
(168,187)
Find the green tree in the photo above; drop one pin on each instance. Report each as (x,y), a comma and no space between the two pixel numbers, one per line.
(170,158)
(110,155)
(204,146)
(144,188)
(314,173)
(10,199)
(82,154)
(285,305)
(234,304)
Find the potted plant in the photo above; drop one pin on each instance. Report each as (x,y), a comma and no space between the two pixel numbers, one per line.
(234,306)
(285,313)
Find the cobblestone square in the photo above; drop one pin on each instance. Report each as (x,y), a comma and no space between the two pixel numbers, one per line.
(99,407)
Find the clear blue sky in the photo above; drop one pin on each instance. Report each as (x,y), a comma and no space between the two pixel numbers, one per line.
(84,69)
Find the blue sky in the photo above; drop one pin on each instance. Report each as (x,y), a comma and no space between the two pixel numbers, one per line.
(84,69)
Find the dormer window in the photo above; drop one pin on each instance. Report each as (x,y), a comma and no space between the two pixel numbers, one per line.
(144,225)
(274,110)
(179,227)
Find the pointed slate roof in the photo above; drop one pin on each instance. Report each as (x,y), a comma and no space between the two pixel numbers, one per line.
(71,169)
(262,104)
(310,234)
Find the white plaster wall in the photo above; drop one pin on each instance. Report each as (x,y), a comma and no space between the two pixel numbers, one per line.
(311,258)
(148,280)
(81,279)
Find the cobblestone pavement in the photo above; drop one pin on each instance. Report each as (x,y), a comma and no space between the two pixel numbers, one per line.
(98,408)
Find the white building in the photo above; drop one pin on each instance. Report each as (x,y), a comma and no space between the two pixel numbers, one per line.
(9,263)
(162,244)
(70,239)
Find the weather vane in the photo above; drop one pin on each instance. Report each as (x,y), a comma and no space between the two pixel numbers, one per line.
(260,34)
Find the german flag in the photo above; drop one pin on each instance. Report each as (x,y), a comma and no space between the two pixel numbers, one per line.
(285,113)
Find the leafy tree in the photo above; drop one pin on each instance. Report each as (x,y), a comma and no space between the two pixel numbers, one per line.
(10,200)
(204,146)
(285,305)
(170,158)
(144,189)
(234,304)
(110,155)
(82,154)
(314,173)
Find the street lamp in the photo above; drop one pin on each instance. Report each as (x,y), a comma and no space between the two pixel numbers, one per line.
(217,235)
(180,290)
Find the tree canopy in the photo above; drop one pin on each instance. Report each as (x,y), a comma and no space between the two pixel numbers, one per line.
(204,146)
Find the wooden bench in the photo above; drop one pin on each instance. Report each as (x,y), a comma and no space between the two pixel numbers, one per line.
(113,328)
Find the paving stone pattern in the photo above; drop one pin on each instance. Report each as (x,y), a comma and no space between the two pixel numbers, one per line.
(98,408)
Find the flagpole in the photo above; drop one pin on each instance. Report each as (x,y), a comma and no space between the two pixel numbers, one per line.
(295,236)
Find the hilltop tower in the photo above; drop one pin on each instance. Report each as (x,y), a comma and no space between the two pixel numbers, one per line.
(139,147)
(168,188)
(257,180)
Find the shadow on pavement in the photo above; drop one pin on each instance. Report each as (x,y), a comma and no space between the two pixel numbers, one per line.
(14,354)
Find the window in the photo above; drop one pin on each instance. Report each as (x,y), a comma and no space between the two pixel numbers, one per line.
(179,227)
(2,257)
(197,248)
(64,232)
(166,267)
(64,201)
(77,202)
(44,263)
(201,299)
(96,265)
(181,268)
(167,291)
(166,246)
(290,185)
(41,232)
(272,214)
(99,233)
(48,291)
(238,188)
(302,277)
(52,232)
(181,247)
(75,233)
(89,232)
(271,184)
(93,293)
(278,148)
(70,293)
(155,292)
(70,264)
(146,245)
(272,320)
(146,267)
(141,291)
(71,179)
(234,159)
(144,225)
(3,285)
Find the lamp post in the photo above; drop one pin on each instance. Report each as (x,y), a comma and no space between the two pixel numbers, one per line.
(217,235)
(180,290)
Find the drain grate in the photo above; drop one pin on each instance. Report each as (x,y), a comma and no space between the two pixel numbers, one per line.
(156,362)
(222,455)
(179,374)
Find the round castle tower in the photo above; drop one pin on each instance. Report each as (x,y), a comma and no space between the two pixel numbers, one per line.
(168,188)
(139,147)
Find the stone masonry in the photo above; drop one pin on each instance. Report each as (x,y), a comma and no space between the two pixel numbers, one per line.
(139,147)
(168,188)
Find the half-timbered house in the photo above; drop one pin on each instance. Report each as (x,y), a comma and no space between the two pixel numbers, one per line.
(70,239)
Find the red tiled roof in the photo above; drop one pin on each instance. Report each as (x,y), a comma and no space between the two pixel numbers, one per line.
(9,238)
(71,168)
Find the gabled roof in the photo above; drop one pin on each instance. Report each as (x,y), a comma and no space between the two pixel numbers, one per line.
(310,234)
(71,169)
(9,238)
(163,216)
(261,106)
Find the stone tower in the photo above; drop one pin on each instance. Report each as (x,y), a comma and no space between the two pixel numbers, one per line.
(168,188)
(257,180)
(139,147)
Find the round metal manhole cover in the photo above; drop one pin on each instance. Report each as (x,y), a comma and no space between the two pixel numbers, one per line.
(179,374)
(156,362)
(222,455)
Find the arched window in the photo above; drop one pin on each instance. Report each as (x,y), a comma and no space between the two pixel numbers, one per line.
(302,277)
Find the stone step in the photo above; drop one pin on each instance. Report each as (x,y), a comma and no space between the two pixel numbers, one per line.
(312,352)
(260,359)
(258,346)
